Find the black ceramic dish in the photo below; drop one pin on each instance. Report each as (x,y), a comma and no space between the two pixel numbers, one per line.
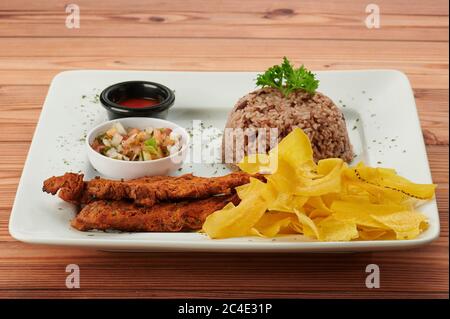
(114,94)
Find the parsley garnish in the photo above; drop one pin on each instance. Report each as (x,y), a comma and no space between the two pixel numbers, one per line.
(287,79)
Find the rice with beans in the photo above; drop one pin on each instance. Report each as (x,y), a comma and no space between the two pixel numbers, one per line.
(315,114)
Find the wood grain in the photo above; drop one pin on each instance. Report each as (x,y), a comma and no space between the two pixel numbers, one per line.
(230,35)
(270,24)
(342,7)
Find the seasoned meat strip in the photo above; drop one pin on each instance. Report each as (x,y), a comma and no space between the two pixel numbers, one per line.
(150,190)
(70,187)
(162,217)
(180,188)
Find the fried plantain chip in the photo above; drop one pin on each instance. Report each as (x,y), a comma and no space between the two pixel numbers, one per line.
(327,201)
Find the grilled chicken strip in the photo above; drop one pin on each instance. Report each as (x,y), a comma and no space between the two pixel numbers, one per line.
(144,191)
(70,186)
(161,217)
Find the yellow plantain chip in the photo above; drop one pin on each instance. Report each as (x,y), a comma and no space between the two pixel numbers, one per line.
(243,191)
(327,201)
(308,226)
(284,180)
(326,166)
(287,203)
(271,224)
(372,234)
(257,187)
(295,149)
(259,163)
(331,229)
(315,213)
(235,221)
(330,183)
(405,224)
(388,182)
(360,213)
(318,203)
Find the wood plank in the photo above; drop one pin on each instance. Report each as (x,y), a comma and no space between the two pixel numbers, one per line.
(243,63)
(183,274)
(168,294)
(438,158)
(407,7)
(193,24)
(213,293)
(433,113)
(345,50)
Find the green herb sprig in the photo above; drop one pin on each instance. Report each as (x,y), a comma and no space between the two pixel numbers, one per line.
(287,79)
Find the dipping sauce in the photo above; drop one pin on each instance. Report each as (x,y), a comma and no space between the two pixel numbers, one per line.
(137,99)
(137,103)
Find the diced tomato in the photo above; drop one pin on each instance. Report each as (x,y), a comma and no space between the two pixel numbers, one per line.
(158,136)
(133,131)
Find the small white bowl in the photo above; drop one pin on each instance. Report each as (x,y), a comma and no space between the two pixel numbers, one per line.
(133,169)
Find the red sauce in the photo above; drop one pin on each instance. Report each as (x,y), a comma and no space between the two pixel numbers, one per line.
(137,103)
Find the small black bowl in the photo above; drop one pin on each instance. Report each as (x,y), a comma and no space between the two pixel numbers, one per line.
(114,94)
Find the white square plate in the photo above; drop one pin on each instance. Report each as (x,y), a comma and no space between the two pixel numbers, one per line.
(378,105)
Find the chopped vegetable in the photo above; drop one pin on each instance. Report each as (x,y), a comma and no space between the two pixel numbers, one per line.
(133,144)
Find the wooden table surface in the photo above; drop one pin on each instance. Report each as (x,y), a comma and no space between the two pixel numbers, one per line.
(218,35)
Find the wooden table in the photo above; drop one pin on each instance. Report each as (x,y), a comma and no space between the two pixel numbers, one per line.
(218,35)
